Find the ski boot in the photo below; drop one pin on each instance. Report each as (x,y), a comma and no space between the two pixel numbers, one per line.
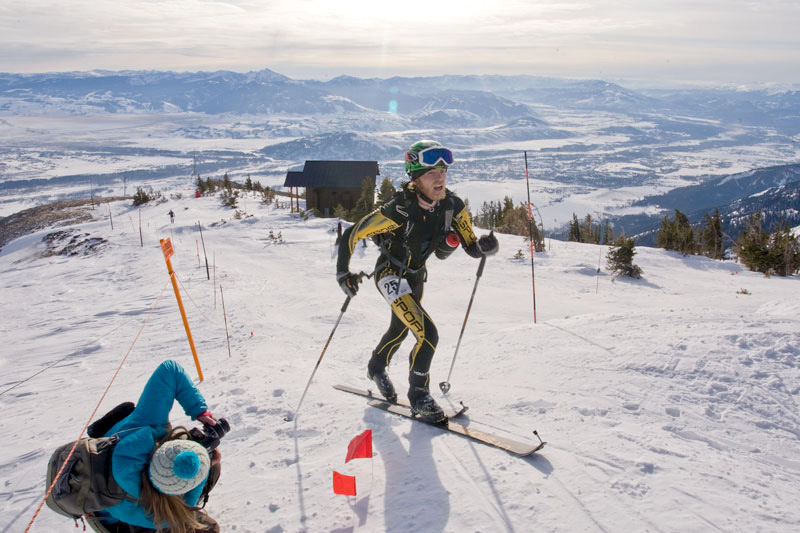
(385,386)
(425,407)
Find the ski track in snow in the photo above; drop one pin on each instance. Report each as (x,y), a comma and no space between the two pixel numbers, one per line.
(669,404)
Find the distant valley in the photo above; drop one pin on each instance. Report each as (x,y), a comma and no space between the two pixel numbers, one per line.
(593,146)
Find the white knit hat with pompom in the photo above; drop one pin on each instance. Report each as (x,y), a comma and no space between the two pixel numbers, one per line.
(178,466)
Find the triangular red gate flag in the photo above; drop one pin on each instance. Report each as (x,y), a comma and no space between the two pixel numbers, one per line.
(360,446)
(344,485)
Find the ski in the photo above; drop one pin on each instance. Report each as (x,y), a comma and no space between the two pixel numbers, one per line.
(402,408)
(400,401)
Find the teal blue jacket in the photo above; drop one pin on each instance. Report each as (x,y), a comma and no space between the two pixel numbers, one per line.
(139,432)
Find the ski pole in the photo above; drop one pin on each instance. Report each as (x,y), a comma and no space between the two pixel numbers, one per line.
(530,230)
(445,385)
(289,417)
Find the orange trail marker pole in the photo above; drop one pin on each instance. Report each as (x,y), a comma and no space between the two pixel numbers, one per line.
(166,248)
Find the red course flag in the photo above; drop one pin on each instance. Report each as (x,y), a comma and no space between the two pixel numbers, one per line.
(360,446)
(344,485)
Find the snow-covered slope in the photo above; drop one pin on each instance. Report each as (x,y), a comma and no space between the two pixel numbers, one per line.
(668,403)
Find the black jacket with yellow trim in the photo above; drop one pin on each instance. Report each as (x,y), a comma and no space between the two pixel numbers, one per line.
(409,233)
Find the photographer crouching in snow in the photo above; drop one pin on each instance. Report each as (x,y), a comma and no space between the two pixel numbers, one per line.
(134,474)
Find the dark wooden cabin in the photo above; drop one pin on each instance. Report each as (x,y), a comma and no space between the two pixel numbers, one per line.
(330,183)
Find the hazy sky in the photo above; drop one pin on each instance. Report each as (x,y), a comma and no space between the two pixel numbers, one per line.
(737,41)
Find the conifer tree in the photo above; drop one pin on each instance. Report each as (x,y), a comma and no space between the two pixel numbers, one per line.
(489,215)
(586,231)
(784,251)
(711,236)
(538,237)
(386,191)
(676,234)
(574,229)
(365,202)
(230,198)
(141,197)
(267,195)
(340,212)
(248,183)
(776,253)
(751,246)
(665,238)
(619,259)
(508,206)
(608,233)
(685,234)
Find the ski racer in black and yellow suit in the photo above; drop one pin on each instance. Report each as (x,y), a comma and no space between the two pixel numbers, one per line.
(421,219)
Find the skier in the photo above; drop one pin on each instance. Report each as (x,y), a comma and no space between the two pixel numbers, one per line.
(165,472)
(422,218)
(171,216)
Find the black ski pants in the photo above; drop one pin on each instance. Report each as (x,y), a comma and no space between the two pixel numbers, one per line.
(408,315)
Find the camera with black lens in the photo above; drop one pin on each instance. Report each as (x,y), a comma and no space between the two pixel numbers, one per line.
(210,436)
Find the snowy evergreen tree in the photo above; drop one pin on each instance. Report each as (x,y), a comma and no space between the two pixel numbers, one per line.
(386,191)
(776,253)
(141,197)
(267,196)
(608,232)
(365,203)
(574,229)
(340,212)
(751,246)
(620,258)
(676,234)
(711,236)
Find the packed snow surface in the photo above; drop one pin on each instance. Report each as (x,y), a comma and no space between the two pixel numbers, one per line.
(669,404)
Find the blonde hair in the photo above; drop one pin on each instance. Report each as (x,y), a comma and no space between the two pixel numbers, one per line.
(173,510)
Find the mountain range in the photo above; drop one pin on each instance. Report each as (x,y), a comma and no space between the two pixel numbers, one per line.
(449,100)
(773,191)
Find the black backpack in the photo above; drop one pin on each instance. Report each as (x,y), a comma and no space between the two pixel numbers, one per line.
(86,484)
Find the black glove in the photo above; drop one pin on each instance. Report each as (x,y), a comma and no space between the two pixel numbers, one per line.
(488,244)
(348,282)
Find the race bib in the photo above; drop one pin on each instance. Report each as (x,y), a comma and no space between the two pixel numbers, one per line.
(393,287)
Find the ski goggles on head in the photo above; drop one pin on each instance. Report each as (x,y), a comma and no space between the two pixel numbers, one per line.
(430,157)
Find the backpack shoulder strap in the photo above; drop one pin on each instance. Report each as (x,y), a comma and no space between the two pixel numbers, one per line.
(449,208)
